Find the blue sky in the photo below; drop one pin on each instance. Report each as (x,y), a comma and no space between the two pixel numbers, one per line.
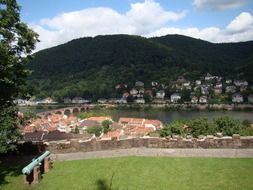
(58,21)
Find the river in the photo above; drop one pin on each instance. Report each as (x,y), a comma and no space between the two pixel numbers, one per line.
(163,115)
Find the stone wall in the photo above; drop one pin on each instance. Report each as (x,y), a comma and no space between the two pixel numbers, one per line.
(176,142)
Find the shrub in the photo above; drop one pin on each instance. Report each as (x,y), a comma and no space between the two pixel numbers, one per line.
(174,128)
(201,126)
(97,130)
(106,126)
(228,126)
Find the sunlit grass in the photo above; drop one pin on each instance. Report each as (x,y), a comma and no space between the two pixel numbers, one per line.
(134,173)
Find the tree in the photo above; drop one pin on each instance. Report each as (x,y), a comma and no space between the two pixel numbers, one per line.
(106,126)
(147,98)
(97,130)
(16,44)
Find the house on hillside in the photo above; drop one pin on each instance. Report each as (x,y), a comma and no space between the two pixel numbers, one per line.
(141,91)
(139,101)
(203,99)
(102,101)
(217,90)
(160,94)
(174,98)
(79,100)
(154,84)
(237,98)
(125,95)
(20,102)
(228,81)
(231,89)
(139,84)
(134,92)
(187,84)
(250,98)
(67,101)
(243,88)
(209,77)
(48,100)
(194,100)
(198,82)
(240,83)
(204,90)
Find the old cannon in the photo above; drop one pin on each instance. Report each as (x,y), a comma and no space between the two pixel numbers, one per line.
(32,172)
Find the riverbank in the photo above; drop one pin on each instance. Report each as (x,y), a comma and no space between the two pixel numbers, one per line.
(172,107)
(176,107)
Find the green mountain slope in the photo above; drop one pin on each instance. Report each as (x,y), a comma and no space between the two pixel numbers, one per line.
(91,67)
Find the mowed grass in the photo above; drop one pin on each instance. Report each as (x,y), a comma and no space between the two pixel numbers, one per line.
(135,173)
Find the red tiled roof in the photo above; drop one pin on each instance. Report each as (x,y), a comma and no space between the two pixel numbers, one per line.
(124,120)
(28,129)
(141,130)
(156,123)
(100,119)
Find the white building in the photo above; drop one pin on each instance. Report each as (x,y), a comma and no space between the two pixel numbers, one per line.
(160,94)
(240,83)
(67,100)
(230,89)
(203,99)
(102,101)
(134,92)
(237,98)
(194,100)
(209,77)
(250,98)
(139,101)
(174,98)
(198,82)
(139,84)
(79,100)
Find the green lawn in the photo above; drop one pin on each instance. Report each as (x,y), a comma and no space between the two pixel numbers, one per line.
(137,173)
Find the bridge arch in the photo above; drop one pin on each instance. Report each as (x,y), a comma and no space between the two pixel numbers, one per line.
(67,112)
(58,112)
(75,110)
(83,109)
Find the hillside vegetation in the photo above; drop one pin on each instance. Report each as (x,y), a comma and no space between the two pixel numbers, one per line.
(91,67)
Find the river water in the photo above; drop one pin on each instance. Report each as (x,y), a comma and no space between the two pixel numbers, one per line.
(163,115)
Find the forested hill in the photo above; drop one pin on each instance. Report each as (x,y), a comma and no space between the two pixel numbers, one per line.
(91,67)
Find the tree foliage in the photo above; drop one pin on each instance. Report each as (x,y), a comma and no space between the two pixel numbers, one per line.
(202,126)
(97,130)
(16,44)
(106,126)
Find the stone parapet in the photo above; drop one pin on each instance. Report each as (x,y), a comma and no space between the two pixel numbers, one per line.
(234,142)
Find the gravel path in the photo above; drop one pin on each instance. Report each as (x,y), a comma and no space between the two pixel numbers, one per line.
(229,153)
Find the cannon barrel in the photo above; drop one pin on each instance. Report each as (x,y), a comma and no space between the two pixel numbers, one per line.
(28,169)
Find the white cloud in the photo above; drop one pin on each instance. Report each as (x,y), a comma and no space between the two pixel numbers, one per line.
(209,34)
(150,15)
(141,19)
(241,23)
(239,29)
(219,4)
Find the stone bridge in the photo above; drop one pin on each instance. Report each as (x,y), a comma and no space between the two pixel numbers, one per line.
(67,110)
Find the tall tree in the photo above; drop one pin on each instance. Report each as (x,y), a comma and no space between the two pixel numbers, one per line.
(16,44)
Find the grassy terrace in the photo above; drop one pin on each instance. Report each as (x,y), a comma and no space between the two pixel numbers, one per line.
(134,173)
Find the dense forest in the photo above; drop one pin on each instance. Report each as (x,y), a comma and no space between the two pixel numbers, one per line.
(91,67)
